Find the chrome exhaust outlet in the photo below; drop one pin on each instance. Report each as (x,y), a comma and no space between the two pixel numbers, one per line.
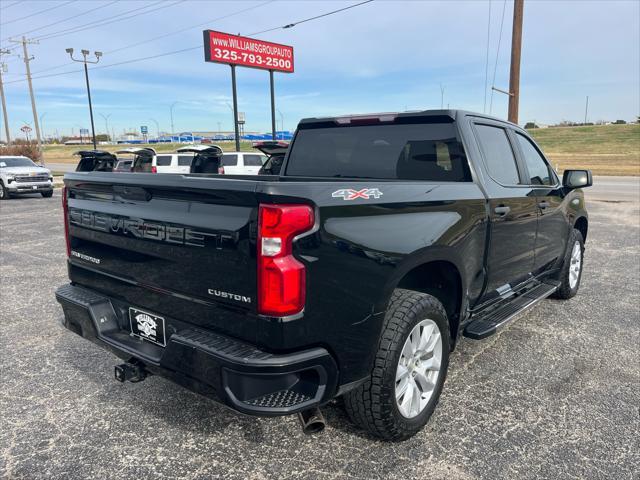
(312,421)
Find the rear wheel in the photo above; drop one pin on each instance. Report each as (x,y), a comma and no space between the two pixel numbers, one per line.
(409,370)
(4,193)
(571,271)
(48,194)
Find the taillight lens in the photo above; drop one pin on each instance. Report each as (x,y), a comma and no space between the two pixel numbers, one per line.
(281,278)
(221,170)
(154,169)
(65,211)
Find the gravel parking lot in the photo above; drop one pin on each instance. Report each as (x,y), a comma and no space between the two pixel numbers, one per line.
(554,395)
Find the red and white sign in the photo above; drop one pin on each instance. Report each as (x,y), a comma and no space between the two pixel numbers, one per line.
(25,129)
(248,52)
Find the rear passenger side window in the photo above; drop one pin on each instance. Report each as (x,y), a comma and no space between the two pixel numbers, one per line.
(229,160)
(498,155)
(253,160)
(185,160)
(163,160)
(539,171)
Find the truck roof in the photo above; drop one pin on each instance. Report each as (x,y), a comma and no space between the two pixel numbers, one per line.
(447,115)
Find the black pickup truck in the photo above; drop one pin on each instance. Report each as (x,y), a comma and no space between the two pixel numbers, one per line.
(353,273)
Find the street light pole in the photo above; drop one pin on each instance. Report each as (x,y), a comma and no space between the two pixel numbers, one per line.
(86,76)
(281,120)
(157,127)
(171,113)
(106,124)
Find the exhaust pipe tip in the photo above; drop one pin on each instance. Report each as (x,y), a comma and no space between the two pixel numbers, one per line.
(312,421)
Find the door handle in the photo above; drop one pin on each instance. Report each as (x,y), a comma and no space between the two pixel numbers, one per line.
(543,205)
(502,210)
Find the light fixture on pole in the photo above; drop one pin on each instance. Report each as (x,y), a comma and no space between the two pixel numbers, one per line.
(84,60)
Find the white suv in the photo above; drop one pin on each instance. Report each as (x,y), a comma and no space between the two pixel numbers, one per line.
(21,175)
(242,163)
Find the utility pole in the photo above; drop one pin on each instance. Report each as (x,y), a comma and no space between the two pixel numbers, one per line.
(516,50)
(27,59)
(586,109)
(441,96)
(4,101)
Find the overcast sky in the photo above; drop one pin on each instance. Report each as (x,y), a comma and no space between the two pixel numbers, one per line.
(381,56)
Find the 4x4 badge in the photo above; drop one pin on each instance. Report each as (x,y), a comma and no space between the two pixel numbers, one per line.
(350,194)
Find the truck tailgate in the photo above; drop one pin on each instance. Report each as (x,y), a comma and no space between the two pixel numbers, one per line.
(176,245)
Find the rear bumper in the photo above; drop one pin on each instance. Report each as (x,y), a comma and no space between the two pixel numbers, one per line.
(227,370)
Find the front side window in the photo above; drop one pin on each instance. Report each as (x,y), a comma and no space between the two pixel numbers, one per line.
(498,155)
(539,171)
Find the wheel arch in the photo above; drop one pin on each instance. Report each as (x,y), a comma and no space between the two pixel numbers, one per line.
(437,275)
(582,225)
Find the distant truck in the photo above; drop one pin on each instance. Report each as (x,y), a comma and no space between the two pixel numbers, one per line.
(353,273)
(19,175)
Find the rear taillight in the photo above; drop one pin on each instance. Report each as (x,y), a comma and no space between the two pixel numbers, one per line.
(65,211)
(281,278)
(221,170)
(154,169)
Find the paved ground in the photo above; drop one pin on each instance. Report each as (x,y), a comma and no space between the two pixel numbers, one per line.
(555,395)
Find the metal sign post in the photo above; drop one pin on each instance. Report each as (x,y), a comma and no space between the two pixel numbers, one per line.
(236,50)
(235,107)
(273,107)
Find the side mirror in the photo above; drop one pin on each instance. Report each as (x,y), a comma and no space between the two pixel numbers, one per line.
(577,179)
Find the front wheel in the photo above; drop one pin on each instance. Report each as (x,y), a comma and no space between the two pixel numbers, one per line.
(409,369)
(47,194)
(571,270)
(4,193)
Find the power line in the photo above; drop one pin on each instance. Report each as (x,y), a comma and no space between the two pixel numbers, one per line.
(486,65)
(189,27)
(109,20)
(495,66)
(291,25)
(164,35)
(37,13)
(64,19)
(8,6)
(174,52)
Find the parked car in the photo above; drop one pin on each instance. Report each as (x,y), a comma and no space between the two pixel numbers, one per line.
(205,158)
(20,175)
(242,163)
(123,166)
(275,150)
(95,161)
(385,239)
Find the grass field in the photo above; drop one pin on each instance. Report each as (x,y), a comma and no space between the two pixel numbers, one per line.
(606,149)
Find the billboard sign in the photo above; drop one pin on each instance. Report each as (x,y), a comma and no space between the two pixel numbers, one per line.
(247,52)
(84,131)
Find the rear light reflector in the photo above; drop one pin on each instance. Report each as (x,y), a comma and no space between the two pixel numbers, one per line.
(154,169)
(65,211)
(281,277)
(221,170)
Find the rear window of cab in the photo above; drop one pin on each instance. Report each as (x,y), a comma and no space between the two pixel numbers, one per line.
(430,152)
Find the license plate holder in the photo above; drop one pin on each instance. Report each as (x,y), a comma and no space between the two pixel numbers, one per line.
(147,326)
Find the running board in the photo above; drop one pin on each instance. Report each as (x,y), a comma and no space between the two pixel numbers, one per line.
(485,324)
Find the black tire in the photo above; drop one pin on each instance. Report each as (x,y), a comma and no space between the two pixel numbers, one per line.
(372,405)
(4,193)
(48,194)
(566,291)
